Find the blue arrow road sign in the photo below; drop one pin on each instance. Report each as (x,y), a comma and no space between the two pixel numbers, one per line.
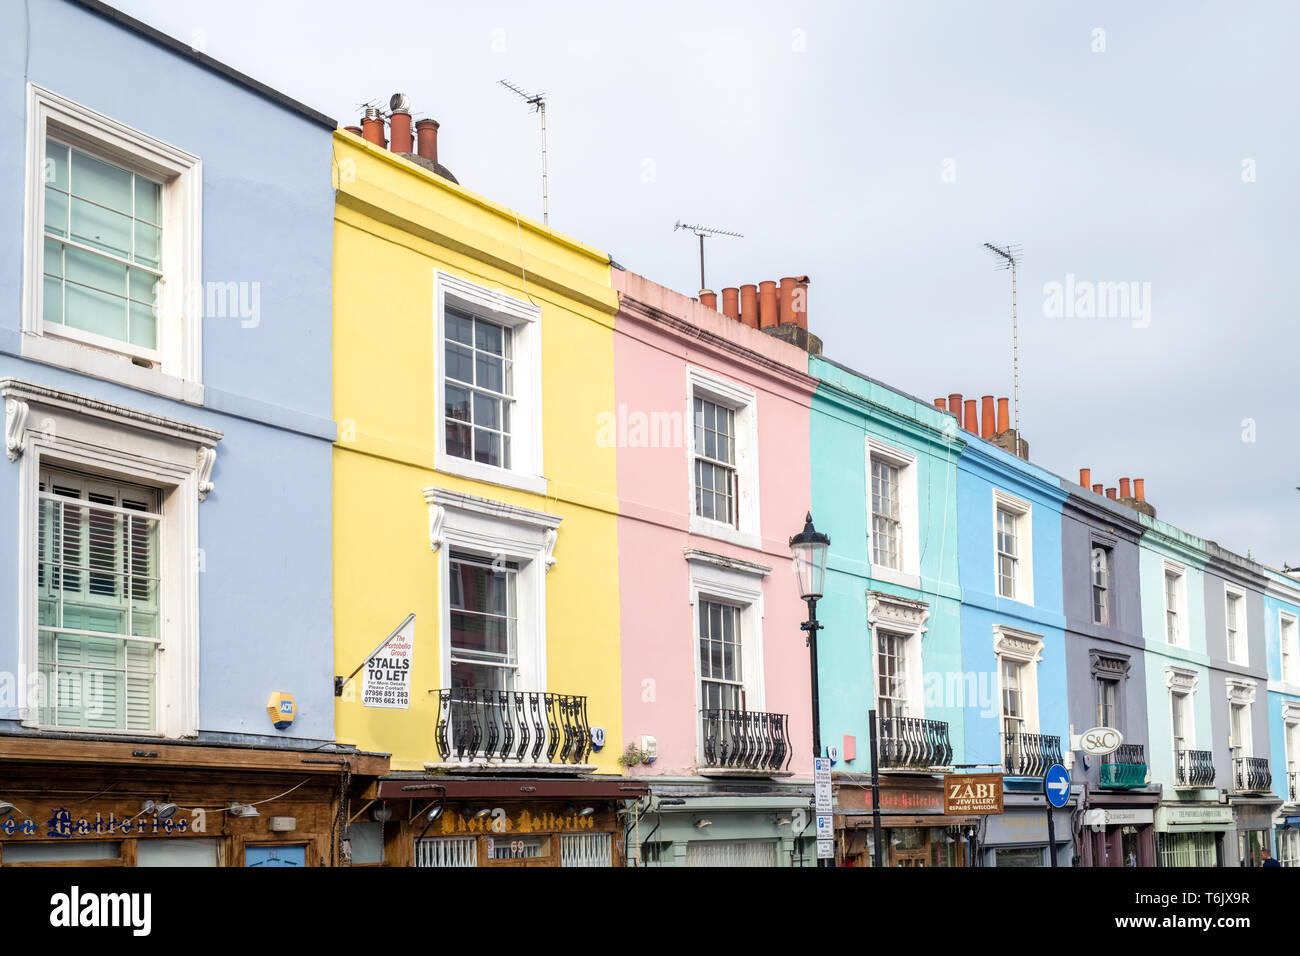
(1056,784)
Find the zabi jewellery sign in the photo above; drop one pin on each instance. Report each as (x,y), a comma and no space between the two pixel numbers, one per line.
(972,793)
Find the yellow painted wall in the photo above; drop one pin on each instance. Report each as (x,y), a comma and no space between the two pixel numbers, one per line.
(395,223)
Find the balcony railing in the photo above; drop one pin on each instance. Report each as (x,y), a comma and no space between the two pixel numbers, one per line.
(1125,769)
(1029,755)
(1252,774)
(526,727)
(746,740)
(914,743)
(1194,768)
(1293,783)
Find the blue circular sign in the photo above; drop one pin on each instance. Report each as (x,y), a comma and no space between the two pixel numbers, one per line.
(1056,785)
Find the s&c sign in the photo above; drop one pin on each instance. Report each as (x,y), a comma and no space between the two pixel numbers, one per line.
(1100,741)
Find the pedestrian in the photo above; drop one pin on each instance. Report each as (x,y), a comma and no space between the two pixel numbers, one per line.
(1268,859)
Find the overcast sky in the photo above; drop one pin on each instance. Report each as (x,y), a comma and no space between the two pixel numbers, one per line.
(875,147)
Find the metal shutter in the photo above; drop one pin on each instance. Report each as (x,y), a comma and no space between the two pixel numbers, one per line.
(447,851)
(586,849)
(731,853)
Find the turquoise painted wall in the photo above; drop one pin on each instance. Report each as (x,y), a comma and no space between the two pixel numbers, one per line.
(847,409)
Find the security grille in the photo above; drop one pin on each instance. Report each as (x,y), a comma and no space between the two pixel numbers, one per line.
(1187,849)
(586,849)
(447,851)
(731,853)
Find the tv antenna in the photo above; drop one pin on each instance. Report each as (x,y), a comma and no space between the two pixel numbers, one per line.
(1008,257)
(538,102)
(702,232)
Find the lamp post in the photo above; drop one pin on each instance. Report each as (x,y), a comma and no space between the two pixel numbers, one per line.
(809,548)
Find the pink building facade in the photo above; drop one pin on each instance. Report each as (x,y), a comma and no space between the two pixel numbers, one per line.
(711,425)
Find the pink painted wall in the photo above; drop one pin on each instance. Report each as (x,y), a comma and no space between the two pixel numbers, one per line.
(659,644)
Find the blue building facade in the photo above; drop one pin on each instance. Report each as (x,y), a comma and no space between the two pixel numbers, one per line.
(1013,644)
(165,500)
(1282,638)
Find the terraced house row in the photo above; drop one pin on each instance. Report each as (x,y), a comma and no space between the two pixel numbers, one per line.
(355,518)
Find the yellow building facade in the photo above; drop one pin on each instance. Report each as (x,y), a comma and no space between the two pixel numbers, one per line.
(473,357)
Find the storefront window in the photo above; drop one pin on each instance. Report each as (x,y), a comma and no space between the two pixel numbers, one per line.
(1018,856)
(76,852)
(1288,846)
(1250,846)
(1129,846)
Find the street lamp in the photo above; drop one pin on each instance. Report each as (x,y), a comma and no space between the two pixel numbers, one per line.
(809,548)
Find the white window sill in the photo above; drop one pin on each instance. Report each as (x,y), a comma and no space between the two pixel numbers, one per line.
(477,471)
(725,532)
(75,357)
(901,578)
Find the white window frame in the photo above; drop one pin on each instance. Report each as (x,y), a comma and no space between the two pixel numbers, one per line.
(1024,545)
(909,572)
(1290,754)
(177,365)
(1108,612)
(715,577)
(526,471)
(493,529)
(1289,662)
(908,619)
(1180,572)
(707,385)
(1230,594)
(1026,649)
(53,428)
(1241,693)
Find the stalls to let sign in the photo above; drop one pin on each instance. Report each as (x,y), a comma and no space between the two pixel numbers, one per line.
(972,793)
(386,676)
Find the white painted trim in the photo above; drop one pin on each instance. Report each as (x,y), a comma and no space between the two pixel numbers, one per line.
(717,578)
(1180,571)
(910,619)
(1024,545)
(1182,678)
(909,572)
(1291,676)
(744,402)
(179,369)
(1024,648)
(524,319)
(494,529)
(1243,634)
(63,429)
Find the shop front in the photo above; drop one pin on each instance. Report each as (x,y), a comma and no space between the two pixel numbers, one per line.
(472,821)
(98,803)
(1286,837)
(683,824)
(1119,830)
(1193,834)
(915,831)
(1018,836)
(1253,819)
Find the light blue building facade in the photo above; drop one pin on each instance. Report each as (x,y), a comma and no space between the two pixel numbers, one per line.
(165,499)
(884,487)
(1282,638)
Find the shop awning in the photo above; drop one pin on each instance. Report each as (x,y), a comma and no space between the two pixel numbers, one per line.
(519,788)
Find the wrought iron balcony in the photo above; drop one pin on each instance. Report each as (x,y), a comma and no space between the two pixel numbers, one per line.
(1292,783)
(1193,768)
(1125,769)
(1029,755)
(526,727)
(746,740)
(1252,774)
(914,743)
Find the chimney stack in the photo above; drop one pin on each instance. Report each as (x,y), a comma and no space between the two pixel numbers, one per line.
(1085,477)
(941,404)
(954,406)
(1004,415)
(767,307)
(372,127)
(399,126)
(710,298)
(731,303)
(426,139)
(749,305)
(986,417)
(969,419)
